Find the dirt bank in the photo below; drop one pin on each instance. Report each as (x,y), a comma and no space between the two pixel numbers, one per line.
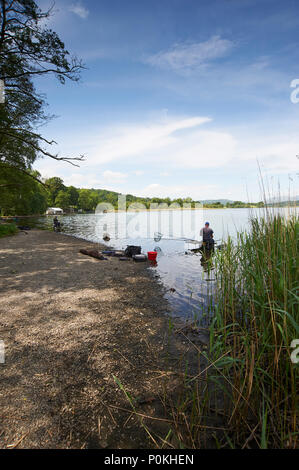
(70,323)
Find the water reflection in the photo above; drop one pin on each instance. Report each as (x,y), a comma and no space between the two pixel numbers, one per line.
(206,263)
(153,263)
(187,272)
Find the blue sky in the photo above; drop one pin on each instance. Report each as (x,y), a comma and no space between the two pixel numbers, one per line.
(180,97)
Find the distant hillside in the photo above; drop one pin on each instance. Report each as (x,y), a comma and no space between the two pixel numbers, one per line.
(213,201)
(35,199)
(284,203)
(71,198)
(285,200)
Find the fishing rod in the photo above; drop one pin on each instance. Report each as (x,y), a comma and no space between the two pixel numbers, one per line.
(158,237)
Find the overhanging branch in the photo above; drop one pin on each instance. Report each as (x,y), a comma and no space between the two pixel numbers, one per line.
(44,152)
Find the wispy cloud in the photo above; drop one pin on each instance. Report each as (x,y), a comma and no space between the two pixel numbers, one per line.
(177,142)
(183,148)
(147,140)
(179,190)
(114,176)
(190,56)
(79,10)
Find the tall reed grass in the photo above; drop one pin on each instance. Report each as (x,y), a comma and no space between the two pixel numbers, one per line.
(245,391)
(256,319)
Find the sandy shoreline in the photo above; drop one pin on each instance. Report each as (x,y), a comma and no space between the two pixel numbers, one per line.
(70,323)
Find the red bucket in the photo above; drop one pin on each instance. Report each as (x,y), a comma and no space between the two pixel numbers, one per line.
(152,255)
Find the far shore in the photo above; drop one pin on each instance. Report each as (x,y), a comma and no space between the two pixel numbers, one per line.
(6,217)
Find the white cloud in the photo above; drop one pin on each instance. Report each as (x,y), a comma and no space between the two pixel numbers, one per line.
(114,176)
(79,10)
(183,148)
(176,142)
(276,154)
(182,56)
(142,140)
(78,180)
(89,179)
(197,192)
(184,143)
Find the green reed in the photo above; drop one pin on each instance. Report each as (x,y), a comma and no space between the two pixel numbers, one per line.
(244,393)
(256,319)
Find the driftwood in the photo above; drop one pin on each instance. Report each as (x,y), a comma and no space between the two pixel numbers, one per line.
(93,253)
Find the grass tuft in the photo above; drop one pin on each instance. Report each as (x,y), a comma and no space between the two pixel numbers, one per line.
(7,229)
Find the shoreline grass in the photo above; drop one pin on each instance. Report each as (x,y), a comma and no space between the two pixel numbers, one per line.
(244,394)
(252,383)
(257,318)
(7,229)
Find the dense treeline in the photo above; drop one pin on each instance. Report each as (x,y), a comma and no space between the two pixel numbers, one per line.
(73,199)
(23,195)
(27,196)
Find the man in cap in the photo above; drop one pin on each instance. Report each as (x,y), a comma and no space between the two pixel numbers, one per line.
(207,236)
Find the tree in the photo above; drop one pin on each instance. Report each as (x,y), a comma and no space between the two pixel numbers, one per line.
(187,200)
(179,201)
(62,200)
(21,194)
(54,186)
(73,194)
(28,49)
(85,202)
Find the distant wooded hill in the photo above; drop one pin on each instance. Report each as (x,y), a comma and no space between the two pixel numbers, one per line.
(28,197)
(82,199)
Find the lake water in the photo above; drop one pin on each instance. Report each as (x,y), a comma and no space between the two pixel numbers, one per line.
(177,268)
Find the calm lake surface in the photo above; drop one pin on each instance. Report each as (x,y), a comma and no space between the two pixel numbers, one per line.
(177,267)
